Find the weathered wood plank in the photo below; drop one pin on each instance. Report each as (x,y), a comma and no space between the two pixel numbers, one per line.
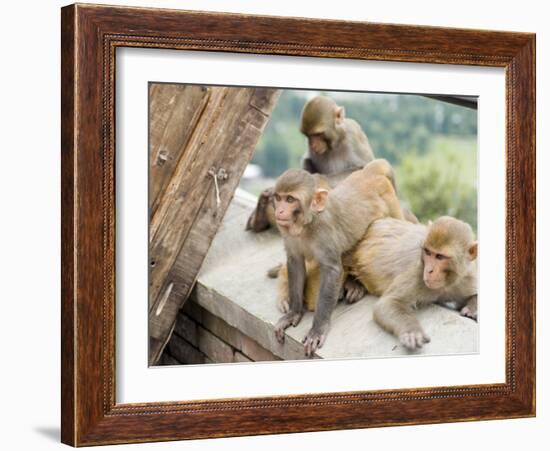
(174,112)
(212,347)
(186,328)
(167,359)
(189,214)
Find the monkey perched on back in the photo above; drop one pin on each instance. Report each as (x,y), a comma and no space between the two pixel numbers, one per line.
(336,146)
(336,143)
(322,225)
(409,265)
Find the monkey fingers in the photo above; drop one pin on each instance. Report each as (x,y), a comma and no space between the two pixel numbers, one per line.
(414,339)
(469,312)
(314,340)
(353,290)
(290,319)
(284,305)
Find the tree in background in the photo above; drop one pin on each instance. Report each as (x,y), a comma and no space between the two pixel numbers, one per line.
(441,182)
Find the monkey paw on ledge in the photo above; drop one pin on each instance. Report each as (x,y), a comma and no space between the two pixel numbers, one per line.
(232,311)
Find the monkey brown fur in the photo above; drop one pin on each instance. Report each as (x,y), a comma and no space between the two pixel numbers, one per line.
(410,265)
(321,226)
(336,147)
(352,289)
(394,261)
(336,143)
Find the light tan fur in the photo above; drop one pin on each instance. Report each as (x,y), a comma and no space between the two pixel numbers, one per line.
(323,225)
(390,263)
(345,148)
(311,291)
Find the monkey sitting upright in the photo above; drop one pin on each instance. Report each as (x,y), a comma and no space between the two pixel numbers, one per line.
(321,226)
(336,143)
(336,147)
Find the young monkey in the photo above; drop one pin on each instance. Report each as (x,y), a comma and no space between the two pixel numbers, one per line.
(321,225)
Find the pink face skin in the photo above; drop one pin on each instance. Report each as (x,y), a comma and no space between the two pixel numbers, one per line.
(285,206)
(317,143)
(435,268)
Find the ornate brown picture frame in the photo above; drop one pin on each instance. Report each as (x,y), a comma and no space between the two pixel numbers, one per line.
(90,412)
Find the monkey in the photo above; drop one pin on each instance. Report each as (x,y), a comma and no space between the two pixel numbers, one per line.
(321,225)
(352,290)
(406,265)
(336,146)
(335,143)
(389,249)
(409,265)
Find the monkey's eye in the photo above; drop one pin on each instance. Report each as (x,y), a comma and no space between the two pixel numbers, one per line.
(427,252)
(277,197)
(440,257)
(317,136)
(290,199)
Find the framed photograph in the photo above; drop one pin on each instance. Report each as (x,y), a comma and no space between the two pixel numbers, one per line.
(279,225)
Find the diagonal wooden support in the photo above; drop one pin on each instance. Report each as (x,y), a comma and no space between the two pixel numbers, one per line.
(196,161)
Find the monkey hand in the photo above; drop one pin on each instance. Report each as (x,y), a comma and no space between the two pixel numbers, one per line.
(290,319)
(315,339)
(258,220)
(414,338)
(353,290)
(470,309)
(284,305)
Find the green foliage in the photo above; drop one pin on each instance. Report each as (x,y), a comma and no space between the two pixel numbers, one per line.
(400,124)
(442,181)
(282,145)
(430,143)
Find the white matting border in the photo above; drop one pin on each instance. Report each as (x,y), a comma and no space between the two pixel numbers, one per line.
(138,383)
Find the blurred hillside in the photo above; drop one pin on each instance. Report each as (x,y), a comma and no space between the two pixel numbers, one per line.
(432,145)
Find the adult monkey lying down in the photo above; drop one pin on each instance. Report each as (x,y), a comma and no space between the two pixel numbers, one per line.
(408,265)
(321,225)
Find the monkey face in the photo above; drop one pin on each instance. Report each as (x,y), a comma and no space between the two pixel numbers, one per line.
(291,200)
(287,209)
(437,268)
(448,251)
(318,144)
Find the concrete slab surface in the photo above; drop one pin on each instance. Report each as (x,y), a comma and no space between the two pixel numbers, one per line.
(233,285)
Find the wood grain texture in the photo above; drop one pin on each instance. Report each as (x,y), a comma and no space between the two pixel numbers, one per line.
(90,37)
(68,238)
(174,111)
(222,127)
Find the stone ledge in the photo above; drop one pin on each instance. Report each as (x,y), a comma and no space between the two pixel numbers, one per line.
(233,286)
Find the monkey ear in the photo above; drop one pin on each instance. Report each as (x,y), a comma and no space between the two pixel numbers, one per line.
(472,251)
(339,114)
(319,201)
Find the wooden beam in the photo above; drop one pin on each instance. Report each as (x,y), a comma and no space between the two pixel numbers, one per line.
(221,143)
